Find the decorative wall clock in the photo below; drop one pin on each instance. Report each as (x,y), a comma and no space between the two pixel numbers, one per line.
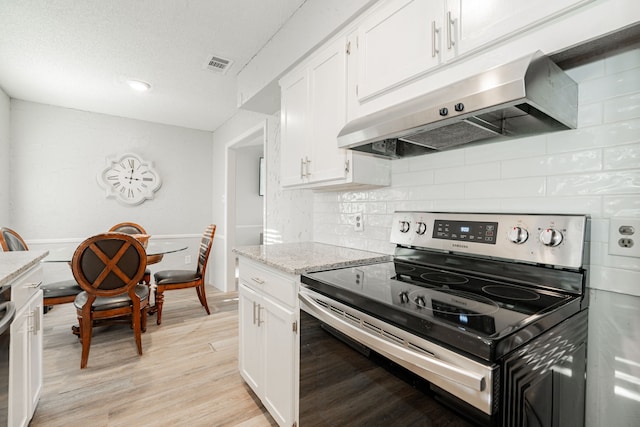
(129,179)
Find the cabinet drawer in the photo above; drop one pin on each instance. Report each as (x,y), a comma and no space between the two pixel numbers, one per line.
(271,282)
(25,286)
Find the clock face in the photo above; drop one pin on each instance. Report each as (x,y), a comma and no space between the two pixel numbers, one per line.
(129,179)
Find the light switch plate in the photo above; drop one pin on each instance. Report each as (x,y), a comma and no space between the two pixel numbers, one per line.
(624,237)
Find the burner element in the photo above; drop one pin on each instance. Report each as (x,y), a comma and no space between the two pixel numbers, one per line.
(443,278)
(511,292)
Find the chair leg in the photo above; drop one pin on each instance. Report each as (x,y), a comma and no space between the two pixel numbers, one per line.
(136,316)
(202,297)
(158,305)
(144,313)
(85,336)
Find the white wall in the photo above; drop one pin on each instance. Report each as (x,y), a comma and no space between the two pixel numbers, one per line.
(249,204)
(5,177)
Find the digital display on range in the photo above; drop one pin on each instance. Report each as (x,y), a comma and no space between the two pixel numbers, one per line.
(468,231)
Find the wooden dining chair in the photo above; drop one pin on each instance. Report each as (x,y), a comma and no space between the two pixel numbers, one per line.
(11,241)
(133,228)
(54,293)
(167,280)
(109,267)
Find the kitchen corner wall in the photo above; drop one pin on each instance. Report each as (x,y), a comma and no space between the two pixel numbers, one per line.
(592,170)
(5,115)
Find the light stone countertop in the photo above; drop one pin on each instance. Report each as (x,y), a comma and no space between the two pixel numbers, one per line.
(13,264)
(299,258)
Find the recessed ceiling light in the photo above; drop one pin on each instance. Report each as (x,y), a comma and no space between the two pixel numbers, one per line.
(139,85)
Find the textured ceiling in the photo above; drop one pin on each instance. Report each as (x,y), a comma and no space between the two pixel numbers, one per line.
(78,54)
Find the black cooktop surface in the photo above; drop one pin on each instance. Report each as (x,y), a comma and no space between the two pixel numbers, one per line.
(483,316)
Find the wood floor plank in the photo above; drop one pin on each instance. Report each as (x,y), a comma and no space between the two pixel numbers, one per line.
(188,373)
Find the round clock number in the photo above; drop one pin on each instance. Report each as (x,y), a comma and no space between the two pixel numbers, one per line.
(129,179)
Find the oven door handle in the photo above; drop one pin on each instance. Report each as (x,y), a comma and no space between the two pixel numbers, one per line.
(392,350)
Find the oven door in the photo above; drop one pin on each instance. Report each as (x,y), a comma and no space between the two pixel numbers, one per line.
(346,358)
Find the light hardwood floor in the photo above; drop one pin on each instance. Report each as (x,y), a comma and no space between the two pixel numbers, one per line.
(187,376)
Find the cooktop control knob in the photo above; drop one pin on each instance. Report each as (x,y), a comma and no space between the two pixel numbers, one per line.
(420,302)
(404,226)
(551,237)
(404,297)
(422,228)
(518,235)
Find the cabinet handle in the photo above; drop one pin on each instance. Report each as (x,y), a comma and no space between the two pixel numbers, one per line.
(254,312)
(259,320)
(307,163)
(34,285)
(301,168)
(450,22)
(258,280)
(434,31)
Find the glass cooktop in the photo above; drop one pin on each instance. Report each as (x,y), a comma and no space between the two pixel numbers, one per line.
(464,311)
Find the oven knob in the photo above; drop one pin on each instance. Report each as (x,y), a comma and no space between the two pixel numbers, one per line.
(404,297)
(404,226)
(551,237)
(422,228)
(420,302)
(518,235)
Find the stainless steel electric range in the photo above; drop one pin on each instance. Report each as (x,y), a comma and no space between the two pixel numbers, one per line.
(479,319)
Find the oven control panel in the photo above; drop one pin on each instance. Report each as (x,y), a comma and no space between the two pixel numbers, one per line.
(557,240)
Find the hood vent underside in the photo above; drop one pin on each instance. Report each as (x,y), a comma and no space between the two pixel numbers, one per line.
(531,95)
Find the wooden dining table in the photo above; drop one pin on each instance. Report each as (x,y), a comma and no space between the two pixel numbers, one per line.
(155,251)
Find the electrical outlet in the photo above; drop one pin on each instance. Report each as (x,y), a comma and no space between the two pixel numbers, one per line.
(187,259)
(624,237)
(358,222)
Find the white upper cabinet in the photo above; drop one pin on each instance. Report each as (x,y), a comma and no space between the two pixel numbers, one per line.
(397,43)
(471,24)
(314,104)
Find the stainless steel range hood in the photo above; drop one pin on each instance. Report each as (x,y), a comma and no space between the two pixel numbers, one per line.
(526,96)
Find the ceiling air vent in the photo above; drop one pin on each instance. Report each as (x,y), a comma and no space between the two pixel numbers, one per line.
(218,64)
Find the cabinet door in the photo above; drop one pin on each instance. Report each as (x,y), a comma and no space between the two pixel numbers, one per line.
(19,400)
(250,355)
(479,23)
(280,349)
(35,351)
(397,43)
(294,126)
(327,112)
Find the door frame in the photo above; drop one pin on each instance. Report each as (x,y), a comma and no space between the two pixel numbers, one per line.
(248,138)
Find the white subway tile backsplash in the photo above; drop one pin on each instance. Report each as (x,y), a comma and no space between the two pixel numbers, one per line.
(597,183)
(509,149)
(589,71)
(628,60)
(628,206)
(622,83)
(563,205)
(413,178)
(411,205)
(463,205)
(615,280)
(622,108)
(520,187)
(600,256)
(482,172)
(622,157)
(590,115)
(594,137)
(442,159)
(562,163)
(441,191)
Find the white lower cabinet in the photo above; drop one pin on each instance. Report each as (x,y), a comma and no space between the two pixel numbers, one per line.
(25,354)
(268,346)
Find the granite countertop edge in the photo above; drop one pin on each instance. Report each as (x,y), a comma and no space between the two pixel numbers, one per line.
(13,264)
(287,257)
